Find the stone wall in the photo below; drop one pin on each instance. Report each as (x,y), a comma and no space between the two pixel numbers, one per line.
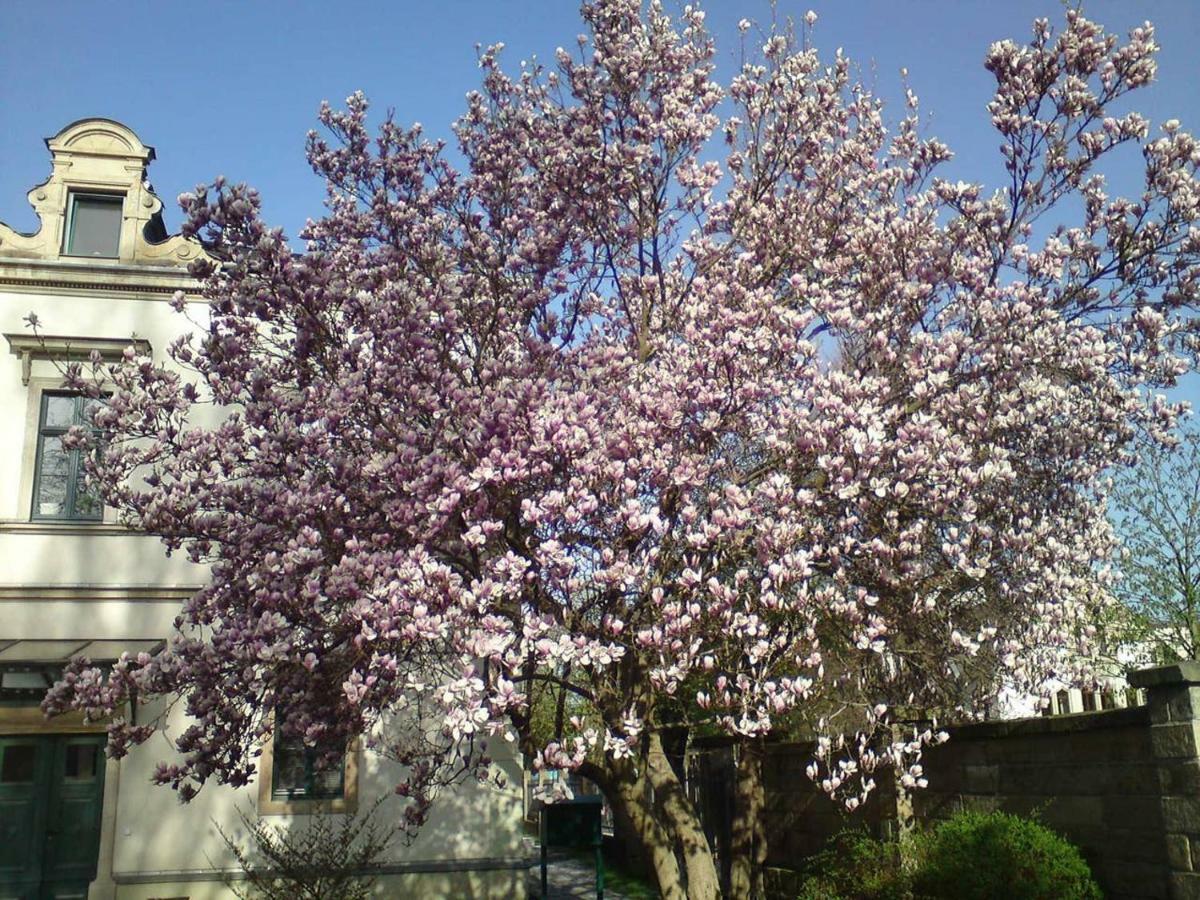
(1174,702)
(800,818)
(1122,784)
(1092,777)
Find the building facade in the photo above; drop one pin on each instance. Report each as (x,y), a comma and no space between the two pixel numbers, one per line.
(98,273)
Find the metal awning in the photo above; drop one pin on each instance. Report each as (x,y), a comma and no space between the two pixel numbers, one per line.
(28,668)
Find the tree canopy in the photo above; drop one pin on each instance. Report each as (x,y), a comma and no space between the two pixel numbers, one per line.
(712,406)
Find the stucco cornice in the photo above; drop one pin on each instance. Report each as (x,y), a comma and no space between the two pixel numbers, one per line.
(42,276)
(151,593)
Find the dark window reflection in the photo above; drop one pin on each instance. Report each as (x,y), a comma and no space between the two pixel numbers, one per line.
(17,763)
(81,761)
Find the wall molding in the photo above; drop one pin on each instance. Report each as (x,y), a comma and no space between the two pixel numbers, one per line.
(22,720)
(93,529)
(70,348)
(417,867)
(142,593)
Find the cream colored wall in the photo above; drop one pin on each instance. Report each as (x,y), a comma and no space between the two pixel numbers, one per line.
(85,619)
(45,553)
(81,315)
(471,824)
(46,570)
(111,558)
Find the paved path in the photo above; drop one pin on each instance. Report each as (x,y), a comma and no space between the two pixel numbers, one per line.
(568,877)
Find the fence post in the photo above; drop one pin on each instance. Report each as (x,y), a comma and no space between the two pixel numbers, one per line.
(1173,698)
(896,819)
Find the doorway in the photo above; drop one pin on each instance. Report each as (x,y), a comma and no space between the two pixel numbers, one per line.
(51,796)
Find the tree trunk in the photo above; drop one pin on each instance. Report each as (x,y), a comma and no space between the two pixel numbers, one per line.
(653,810)
(748,850)
(683,822)
(634,809)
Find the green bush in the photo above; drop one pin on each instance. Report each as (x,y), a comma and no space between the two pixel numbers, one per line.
(997,856)
(854,866)
(973,856)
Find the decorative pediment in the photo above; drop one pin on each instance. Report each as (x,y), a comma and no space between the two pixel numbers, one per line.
(104,163)
(102,137)
(64,348)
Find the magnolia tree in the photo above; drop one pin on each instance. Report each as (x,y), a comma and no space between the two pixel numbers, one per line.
(694,407)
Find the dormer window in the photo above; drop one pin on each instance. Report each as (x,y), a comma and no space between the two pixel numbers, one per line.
(93,225)
(97,209)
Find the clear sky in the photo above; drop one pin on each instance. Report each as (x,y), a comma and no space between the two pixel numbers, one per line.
(231,88)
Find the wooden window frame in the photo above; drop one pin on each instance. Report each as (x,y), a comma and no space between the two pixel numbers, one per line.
(270,805)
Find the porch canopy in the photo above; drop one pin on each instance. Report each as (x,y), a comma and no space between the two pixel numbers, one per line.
(28,668)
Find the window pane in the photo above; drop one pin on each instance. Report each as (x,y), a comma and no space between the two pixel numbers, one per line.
(90,406)
(87,497)
(17,763)
(289,768)
(54,468)
(57,497)
(298,772)
(60,411)
(21,685)
(23,681)
(327,780)
(81,762)
(87,500)
(95,226)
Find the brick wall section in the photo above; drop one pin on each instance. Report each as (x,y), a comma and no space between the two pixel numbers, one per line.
(1092,777)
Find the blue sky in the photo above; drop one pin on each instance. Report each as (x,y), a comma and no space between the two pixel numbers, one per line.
(231,88)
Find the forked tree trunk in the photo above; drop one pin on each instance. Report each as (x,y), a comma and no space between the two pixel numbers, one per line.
(683,822)
(634,809)
(748,845)
(655,811)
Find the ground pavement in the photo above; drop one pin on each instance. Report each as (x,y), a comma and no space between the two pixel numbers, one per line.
(568,877)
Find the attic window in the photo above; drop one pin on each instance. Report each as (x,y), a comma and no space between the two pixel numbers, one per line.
(94,225)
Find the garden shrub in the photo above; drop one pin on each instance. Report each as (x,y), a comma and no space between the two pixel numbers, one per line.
(855,866)
(973,856)
(332,857)
(997,856)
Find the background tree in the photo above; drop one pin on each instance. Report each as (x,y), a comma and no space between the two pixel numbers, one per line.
(1156,510)
(570,411)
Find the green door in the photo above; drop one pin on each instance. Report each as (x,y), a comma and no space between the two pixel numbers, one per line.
(25,765)
(51,793)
